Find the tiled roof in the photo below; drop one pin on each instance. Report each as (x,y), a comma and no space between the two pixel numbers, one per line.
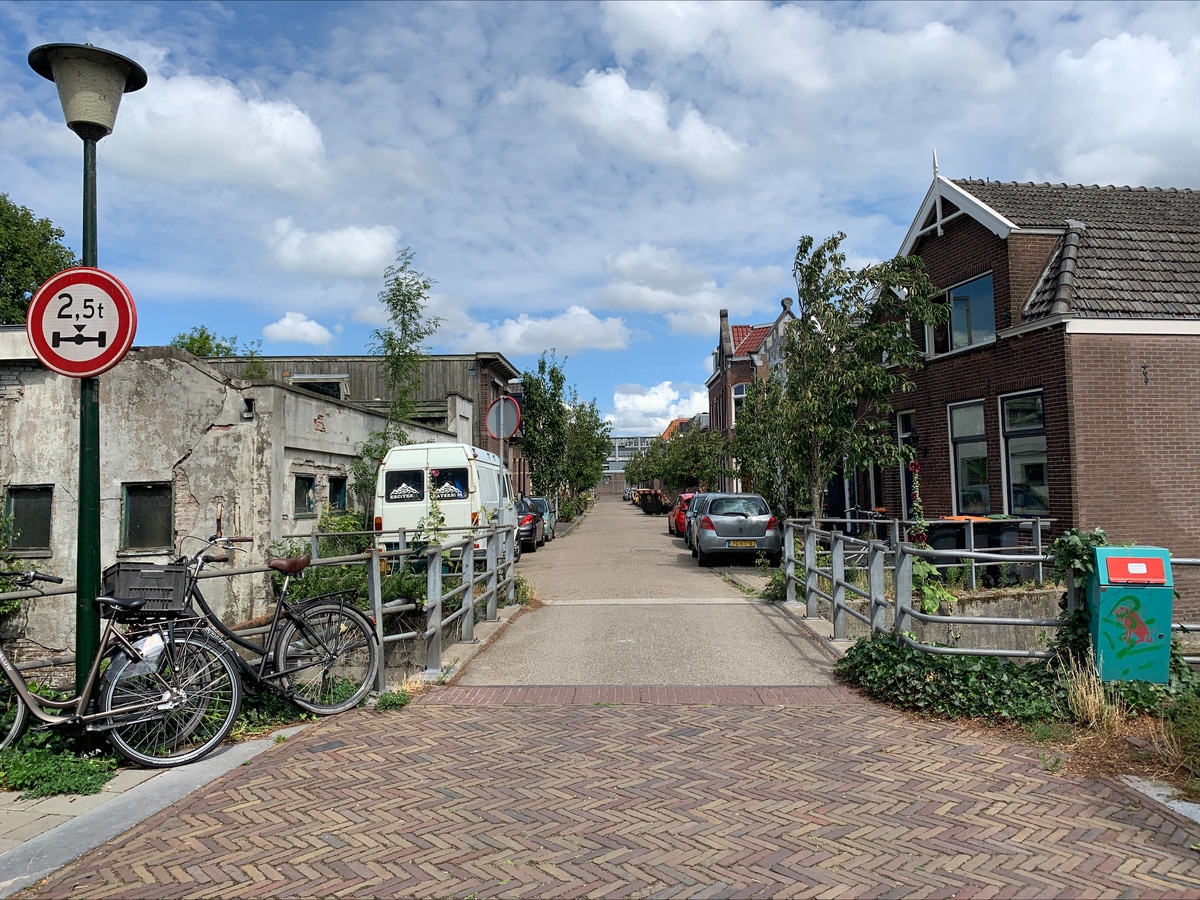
(1129,252)
(748,338)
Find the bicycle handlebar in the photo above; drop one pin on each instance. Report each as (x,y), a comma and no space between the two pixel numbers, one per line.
(31,576)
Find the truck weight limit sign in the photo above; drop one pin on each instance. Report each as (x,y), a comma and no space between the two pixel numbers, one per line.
(81,322)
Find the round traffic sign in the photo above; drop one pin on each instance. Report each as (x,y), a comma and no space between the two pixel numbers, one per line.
(503,418)
(81,322)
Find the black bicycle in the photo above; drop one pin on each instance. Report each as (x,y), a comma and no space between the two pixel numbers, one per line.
(161,690)
(322,653)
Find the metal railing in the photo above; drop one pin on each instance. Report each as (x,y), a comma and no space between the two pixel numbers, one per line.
(475,586)
(833,566)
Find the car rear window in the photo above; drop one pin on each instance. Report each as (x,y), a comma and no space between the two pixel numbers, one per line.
(738,506)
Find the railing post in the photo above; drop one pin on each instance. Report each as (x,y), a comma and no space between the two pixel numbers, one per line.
(510,564)
(468,594)
(875,554)
(789,555)
(894,534)
(375,598)
(316,545)
(904,561)
(493,560)
(433,611)
(1037,545)
(971,548)
(810,571)
(839,586)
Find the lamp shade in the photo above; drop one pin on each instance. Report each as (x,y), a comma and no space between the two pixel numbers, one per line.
(90,83)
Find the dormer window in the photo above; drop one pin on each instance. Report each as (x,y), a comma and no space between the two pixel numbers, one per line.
(972,317)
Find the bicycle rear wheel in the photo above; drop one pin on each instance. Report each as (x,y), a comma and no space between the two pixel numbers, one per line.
(328,656)
(192,693)
(13,714)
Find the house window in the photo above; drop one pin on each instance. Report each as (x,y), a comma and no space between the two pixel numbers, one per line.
(334,386)
(27,509)
(906,436)
(739,397)
(972,317)
(148,520)
(1024,428)
(969,443)
(305,503)
(337,492)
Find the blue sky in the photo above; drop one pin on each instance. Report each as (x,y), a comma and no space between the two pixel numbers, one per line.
(600,179)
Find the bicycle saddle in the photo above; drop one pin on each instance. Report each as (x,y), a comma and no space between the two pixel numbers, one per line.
(290,565)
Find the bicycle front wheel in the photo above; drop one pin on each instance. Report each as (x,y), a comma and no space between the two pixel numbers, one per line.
(178,707)
(328,656)
(13,714)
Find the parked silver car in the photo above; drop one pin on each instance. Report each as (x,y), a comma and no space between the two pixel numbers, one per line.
(736,524)
(695,507)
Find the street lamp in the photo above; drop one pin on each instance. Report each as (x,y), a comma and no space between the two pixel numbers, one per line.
(90,84)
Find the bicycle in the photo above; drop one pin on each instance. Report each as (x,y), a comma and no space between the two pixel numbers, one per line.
(163,693)
(321,653)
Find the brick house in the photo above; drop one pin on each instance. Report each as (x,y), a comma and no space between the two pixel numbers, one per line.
(743,353)
(1067,383)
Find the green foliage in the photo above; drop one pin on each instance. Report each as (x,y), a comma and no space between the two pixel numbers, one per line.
(776,589)
(953,686)
(9,563)
(544,426)
(1184,723)
(929,587)
(402,346)
(204,343)
(267,711)
(523,593)
(757,439)
(1074,558)
(396,700)
(43,772)
(849,351)
(588,445)
(692,459)
(31,251)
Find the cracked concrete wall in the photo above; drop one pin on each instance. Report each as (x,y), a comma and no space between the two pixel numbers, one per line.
(168,417)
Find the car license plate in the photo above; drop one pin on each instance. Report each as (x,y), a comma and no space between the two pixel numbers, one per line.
(741,543)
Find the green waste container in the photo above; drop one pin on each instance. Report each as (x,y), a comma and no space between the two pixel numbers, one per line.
(1130,598)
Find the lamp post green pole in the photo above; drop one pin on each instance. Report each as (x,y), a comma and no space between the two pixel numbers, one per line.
(90,84)
(87,562)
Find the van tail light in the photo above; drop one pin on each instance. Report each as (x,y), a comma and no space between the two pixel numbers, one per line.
(379,523)
(707,525)
(772,523)
(475,518)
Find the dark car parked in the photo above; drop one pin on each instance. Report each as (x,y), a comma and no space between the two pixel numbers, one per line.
(531,527)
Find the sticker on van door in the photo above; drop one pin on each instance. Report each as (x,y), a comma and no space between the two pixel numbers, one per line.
(404,485)
(449,484)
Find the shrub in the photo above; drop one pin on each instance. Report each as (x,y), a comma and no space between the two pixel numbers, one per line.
(393,700)
(984,687)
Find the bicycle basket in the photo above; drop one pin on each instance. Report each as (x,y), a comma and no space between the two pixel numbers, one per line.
(162,585)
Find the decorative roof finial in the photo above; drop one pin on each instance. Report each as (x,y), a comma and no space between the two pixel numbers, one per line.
(935,165)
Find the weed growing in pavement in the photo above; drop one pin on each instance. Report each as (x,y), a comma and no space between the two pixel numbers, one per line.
(43,772)
(1050,763)
(267,712)
(393,700)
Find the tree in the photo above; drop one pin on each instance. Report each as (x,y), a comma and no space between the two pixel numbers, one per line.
(544,426)
(694,459)
(847,354)
(588,445)
(401,347)
(31,250)
(204,343)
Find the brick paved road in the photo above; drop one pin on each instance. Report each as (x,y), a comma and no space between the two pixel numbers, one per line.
(628,790)
(639,792)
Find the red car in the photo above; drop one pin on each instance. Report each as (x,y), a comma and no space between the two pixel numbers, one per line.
(678,511)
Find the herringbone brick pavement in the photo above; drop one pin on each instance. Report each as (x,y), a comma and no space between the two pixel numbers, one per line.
(646,792)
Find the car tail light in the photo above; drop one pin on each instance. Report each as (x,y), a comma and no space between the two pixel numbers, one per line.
(772,523)
(528,520)
(706,524)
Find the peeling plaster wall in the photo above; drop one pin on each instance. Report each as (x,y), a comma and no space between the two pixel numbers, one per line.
(167,417)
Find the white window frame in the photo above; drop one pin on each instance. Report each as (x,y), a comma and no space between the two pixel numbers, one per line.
(1004,438)
(734,396)
(955,496)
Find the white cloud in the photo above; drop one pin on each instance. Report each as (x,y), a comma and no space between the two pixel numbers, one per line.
(352,252)
(299,328)
(649,410)
(185,127)
(638,122)
(571,331)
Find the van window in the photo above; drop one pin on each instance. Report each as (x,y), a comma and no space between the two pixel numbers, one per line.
(404,485)
(449,484)
(489,489)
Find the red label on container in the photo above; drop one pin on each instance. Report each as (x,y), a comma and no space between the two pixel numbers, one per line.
(1136,570)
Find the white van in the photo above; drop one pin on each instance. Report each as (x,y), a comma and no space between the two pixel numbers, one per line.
(470,485)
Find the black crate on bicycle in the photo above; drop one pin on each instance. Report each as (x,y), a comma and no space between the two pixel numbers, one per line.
(162,585)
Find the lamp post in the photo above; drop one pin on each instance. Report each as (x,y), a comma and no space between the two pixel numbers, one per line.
(90,84)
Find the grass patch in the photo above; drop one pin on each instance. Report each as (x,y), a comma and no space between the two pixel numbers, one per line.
(43,772)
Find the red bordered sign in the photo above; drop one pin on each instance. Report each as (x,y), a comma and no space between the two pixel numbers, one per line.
(81,322)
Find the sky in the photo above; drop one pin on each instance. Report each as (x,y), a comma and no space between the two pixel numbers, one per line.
(594,179)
